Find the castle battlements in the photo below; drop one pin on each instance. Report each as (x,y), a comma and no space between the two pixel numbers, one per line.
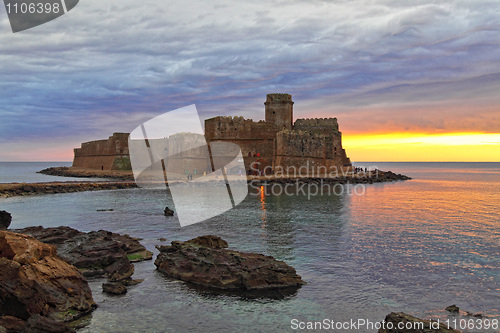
(316,122)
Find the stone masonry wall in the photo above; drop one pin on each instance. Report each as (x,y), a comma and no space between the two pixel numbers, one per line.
(254,138)
(279,110)
(311,149)
(110,154)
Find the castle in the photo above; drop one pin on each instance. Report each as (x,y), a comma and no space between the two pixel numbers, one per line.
(267,145)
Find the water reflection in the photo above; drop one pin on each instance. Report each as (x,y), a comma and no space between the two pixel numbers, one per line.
(262,197)
(288,222)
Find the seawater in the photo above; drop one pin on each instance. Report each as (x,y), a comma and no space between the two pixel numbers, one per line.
(26,172)
(415,246)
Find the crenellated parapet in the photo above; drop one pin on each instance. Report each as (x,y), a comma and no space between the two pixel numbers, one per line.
(238,128)
(324,125)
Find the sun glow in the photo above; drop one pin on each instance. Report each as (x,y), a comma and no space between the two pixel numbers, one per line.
(466,147)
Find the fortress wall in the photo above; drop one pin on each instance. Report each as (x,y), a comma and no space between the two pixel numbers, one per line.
(110,154)
(318,125)
(314,150)
(188,153)
(94,162)
(252,137)
(237,128)
(264,148)
(307,144)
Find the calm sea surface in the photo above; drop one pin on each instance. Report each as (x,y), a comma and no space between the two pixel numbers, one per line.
(415,246)
(26,172)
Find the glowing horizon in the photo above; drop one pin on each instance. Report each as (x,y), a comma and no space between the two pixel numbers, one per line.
(423,147)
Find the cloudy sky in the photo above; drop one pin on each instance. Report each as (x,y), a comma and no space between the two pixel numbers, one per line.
(388,70)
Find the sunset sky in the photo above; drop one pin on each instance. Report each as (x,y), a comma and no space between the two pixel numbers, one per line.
(407,80)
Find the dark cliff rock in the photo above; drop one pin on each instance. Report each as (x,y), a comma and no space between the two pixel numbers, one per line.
(5,219)
(35,281)
(96,253)
(407,321)
(205,261)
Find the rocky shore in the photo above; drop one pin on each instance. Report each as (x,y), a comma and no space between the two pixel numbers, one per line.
(23,189)
(400,322)
(207,262)
(360,178)
(39,292)
(43,274)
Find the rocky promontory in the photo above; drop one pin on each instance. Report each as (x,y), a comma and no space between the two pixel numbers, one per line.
(207,262)
(37,288)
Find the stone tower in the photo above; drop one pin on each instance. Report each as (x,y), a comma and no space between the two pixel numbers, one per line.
(279,110)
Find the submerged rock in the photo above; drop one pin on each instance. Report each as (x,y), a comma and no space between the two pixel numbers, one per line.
(205,261)
(477,315)
(96,253)
(412,324)
(35,281)
(168,212)
(5,219)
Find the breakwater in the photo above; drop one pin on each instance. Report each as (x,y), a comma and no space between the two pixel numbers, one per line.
(87,173)
(23,189)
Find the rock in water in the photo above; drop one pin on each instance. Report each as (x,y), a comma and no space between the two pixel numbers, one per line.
(205,261)
(114,288)
(5,219)
(97,253)
(168,212)
(453,308)
(35,281)
(417,325)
